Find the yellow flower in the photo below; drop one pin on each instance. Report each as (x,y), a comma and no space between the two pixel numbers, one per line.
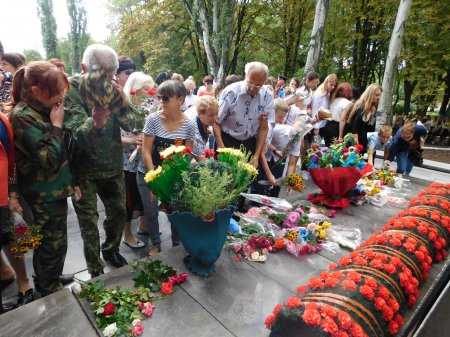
(249,168)
(322,234)
(230,151)
(151,175)
(168,152)
(325,224)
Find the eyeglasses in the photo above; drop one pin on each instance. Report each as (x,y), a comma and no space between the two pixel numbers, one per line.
(164,98)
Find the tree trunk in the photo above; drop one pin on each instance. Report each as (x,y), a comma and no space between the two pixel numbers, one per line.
(444,106)
(316,35)
(408,88)
(206,34)
(395,45)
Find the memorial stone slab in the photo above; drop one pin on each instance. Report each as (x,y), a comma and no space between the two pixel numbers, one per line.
(239,296)
(57,315)
(174,316)
(290,271)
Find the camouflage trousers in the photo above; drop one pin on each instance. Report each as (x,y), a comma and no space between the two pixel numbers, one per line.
(48,258)
(112,193)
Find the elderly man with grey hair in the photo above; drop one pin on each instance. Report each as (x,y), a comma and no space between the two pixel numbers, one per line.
(96,110)
(245,111)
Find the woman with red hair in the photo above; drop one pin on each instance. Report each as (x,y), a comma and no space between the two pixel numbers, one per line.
(340,102)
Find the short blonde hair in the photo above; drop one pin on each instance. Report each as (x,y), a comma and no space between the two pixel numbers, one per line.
(279,104)
(207,102)
(385,130)
(177,77)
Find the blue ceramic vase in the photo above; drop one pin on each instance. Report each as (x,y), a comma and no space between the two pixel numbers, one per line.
(203,240)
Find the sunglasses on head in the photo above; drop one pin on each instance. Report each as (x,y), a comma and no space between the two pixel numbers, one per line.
(164,98)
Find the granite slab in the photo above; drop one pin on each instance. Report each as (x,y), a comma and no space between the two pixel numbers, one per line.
(237,295)
(436,322)
(174,316)
(57,315)
(289,271)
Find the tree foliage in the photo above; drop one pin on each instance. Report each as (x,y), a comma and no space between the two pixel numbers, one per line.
(32,55)
(48,27)
(78,34)
(170,35)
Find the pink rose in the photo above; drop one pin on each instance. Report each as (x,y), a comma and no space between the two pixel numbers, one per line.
(291,219)
(182,278)
(137,329)
(147,309)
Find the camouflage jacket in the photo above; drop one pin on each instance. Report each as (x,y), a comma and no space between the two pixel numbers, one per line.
(43,173)
(97,153)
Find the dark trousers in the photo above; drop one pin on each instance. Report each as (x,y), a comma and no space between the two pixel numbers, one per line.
(330,132)
(250,146)
(133,199)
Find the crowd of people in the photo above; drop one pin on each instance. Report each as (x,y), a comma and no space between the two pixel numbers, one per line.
(97,133)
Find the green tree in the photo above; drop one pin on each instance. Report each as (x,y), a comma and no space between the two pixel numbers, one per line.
(48,27)
(78,35)
(32,55)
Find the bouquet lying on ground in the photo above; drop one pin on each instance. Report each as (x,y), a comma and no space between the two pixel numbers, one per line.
(119,311)
(200,187)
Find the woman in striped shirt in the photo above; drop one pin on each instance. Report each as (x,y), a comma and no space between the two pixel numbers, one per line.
(162,129)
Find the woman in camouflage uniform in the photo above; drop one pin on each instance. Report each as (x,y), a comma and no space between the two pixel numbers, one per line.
(43,173)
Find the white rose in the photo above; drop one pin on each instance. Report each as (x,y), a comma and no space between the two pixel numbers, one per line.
(99,311)
(255,256)
(110,330)
(136,322)
(76,288)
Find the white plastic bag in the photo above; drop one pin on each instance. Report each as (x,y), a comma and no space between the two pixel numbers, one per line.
(276,203)
(345,237)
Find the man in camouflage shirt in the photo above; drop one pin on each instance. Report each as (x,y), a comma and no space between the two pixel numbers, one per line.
(95,110)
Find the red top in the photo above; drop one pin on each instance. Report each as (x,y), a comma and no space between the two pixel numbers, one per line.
(6,162)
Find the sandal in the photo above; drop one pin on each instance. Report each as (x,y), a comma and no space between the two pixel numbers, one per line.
(138,244)
(155,250)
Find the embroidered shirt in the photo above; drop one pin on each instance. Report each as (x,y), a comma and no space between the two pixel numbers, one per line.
(239,112)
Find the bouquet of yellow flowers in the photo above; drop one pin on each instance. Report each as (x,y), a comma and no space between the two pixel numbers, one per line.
(200,187)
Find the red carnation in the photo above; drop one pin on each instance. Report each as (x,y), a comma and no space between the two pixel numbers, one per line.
(388,313)
(293,302)
(330,311)
(399,319)
(187,150)
(342,334)
(311,317)
(420,256)
(379,303)
(389,268)
(344,320)
(367,292)
(315,283)
(359,260)
(349,285)
(269,321)
(354,276)
(21,230)
(276,311)
(330,326)
(166,288)
(356,330)
(344,261)
(209,153)
(302,289)
(331,282)
(332,266)
(394,304)
(393,327)
(371,282)
(109,309)
(376,263)
(395,242)
(359,148)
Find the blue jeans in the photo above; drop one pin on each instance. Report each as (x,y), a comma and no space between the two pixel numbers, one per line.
(404,164)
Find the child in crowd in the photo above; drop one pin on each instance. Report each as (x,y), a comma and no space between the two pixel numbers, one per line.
(281,146)
(377,141)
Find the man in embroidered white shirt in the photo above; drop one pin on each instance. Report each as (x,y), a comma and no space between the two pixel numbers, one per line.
(245,111)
